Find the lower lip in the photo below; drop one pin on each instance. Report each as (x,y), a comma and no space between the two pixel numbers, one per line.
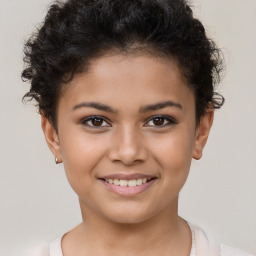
(129,191)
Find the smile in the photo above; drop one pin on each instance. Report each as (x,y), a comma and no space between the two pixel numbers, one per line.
(128,187)
(127,183)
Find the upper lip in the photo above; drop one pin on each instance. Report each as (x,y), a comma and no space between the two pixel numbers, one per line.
(133,176)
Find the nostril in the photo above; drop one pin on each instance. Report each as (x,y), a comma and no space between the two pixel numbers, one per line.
(127,146)
(128,156)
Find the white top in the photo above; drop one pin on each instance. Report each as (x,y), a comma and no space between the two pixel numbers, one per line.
(202,245)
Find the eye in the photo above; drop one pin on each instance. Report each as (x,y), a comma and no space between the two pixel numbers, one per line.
(95,121)
(160,121)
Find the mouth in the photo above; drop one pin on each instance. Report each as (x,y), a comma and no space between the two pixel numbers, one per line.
(128,183)
(128,186)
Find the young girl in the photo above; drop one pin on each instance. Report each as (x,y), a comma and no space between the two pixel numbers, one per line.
(126,93)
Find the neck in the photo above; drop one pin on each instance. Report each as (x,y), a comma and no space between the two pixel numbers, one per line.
(163,234)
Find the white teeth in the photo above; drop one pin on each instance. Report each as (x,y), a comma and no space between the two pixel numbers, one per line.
(132,183)
(116,182)
(139,182)
(125,183)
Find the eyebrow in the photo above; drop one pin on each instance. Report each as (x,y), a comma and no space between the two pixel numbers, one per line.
(160,105)
(96,105)
(144,109)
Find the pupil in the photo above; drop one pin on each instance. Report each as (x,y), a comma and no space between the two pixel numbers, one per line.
(158,121)
(97,121)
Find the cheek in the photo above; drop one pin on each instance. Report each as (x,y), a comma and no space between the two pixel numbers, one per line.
(81,153)
(174,154)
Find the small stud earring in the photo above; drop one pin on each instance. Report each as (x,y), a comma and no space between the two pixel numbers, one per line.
(56,161)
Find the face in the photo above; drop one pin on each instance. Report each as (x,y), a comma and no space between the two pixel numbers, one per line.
(126,135)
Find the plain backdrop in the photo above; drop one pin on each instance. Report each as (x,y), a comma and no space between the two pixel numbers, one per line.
(36,202)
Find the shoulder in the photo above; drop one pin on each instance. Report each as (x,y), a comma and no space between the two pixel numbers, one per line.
(230,251)
(206,245)
(55,247)
(40,250)
(51,249)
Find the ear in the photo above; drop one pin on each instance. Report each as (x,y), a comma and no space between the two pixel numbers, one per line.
(202,133)
(51,138)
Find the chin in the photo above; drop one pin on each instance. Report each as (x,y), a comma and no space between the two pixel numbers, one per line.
(131,216)
(129,220)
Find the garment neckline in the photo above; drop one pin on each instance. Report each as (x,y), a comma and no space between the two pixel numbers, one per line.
(56,246)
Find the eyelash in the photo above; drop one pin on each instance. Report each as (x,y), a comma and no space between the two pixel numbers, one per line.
(168,121)
(91,118)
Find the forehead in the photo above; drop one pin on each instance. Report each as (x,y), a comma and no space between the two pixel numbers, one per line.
(127,79)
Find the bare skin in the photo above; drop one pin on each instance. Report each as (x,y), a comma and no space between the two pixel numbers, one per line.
(129,117)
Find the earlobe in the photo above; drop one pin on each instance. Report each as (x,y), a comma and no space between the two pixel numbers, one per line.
(202,133)
(51,138)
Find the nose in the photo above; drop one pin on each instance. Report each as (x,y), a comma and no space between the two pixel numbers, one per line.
(127,146)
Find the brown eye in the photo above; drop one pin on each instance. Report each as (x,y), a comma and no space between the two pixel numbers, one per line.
(158,121)
(95,121)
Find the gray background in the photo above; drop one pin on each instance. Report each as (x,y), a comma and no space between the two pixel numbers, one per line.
(36,202)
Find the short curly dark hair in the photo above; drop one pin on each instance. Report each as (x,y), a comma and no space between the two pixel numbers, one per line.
(75,31)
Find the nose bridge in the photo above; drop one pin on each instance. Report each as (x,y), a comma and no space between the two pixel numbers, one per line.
(129,138)
(127,145)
